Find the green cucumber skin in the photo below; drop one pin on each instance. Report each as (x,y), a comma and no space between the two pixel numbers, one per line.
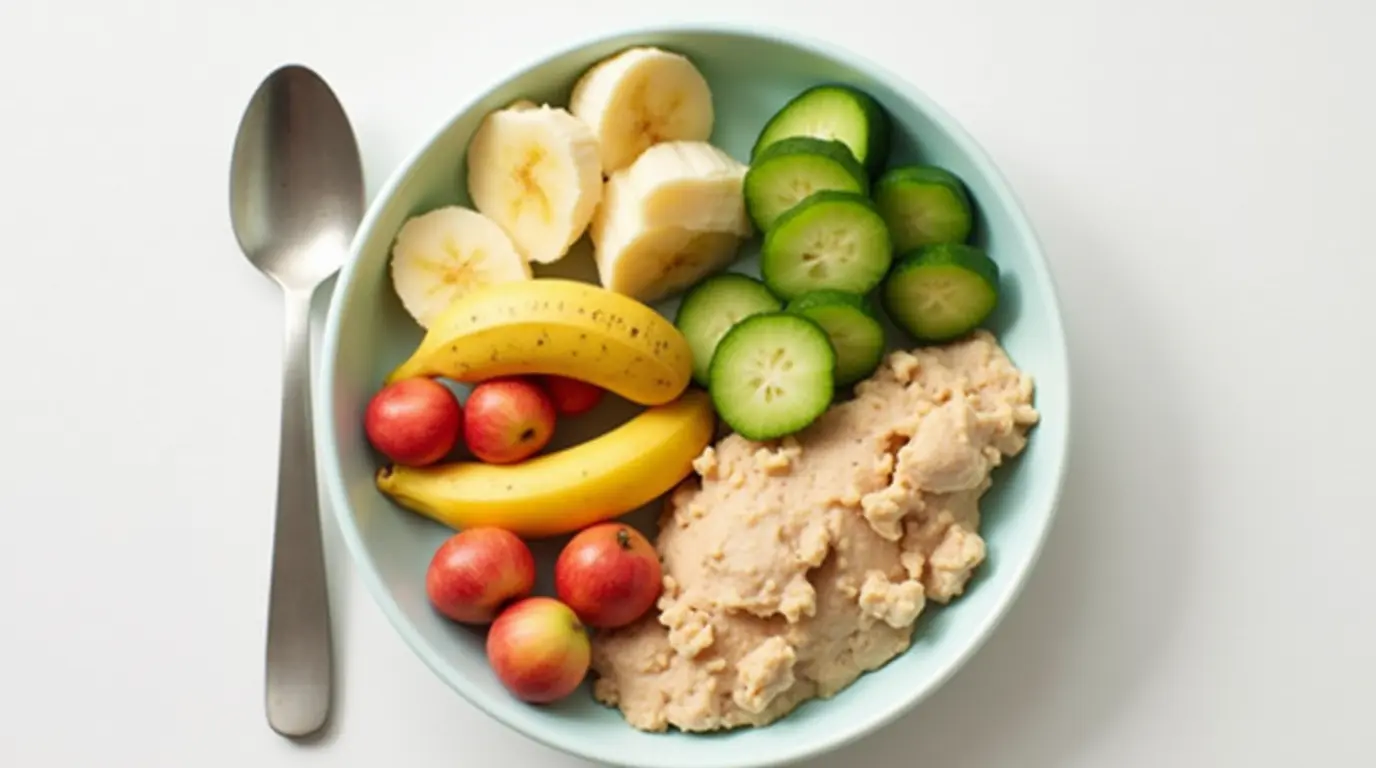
(877,140)
(834,149)
(981,271)
(740,422)
(827,297)
(835,156)
(741,288)
(890,195)
(771,258)
(859,314)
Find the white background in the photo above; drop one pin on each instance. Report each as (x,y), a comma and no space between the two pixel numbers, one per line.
(1204,179)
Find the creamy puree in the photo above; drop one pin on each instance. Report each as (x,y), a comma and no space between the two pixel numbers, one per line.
(793,567)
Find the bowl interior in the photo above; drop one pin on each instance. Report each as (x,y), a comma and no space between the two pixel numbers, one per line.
(369,333)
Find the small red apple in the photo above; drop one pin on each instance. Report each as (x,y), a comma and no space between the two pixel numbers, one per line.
(507,420)
(572,397)
(477,571)
(609,574)
(539,650)
(413,421)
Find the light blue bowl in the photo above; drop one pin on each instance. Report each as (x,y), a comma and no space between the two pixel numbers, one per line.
(751,74)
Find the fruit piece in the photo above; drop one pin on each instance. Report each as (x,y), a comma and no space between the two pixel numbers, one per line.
(712,306)
(413,421)
(942,292)
(440,255)
(556,326)
(853,327)
(539,650)
(477,571)
(608,574)
(507,420)
(831,240)
(772,375)
(689,184)
(640,97)
(673,216)
(534,171)
(660,263)
(566,490)
(791,169)
(923,205)
(839,112)
(571,397)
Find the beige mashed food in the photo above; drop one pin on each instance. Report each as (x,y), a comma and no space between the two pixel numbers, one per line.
(792,568)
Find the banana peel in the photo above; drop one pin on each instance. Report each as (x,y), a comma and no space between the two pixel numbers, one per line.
(567,490)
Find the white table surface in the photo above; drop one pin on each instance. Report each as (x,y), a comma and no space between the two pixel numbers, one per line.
(1203,176)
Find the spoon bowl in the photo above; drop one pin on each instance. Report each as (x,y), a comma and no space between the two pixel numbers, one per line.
(296,198)
(296,183)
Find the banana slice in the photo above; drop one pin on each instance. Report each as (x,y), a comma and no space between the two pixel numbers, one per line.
(654,264)
(688,184)
(640,97)
(535,171)
(439,256)
(674,216)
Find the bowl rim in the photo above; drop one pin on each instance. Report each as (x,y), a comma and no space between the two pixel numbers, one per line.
(326,440)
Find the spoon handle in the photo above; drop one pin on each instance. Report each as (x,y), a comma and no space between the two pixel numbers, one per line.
(299,652)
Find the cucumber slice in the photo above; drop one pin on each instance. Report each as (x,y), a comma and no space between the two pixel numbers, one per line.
(831,240)
(853,327)
(942,292)
(833,111)
(923,205)
(772,375)
(711,307)
(793,168)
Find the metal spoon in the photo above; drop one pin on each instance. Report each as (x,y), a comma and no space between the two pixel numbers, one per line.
(296,198)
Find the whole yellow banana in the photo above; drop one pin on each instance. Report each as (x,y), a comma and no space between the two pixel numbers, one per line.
(556,326)
(564,491)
